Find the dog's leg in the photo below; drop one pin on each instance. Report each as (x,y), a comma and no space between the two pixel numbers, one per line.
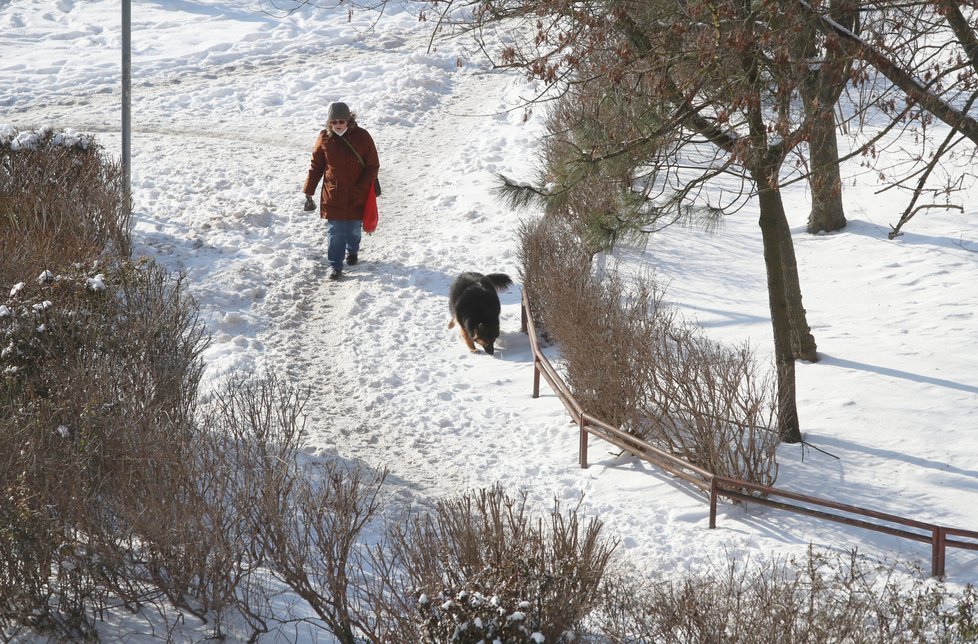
(451,323)
(466,339)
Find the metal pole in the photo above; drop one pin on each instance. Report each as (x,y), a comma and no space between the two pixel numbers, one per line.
(127,95)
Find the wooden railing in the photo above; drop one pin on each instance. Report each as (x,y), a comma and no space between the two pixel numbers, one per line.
(939,537)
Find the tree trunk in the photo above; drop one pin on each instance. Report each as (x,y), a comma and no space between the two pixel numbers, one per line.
(803,345)
(827,214)
(777,238)
(820,90)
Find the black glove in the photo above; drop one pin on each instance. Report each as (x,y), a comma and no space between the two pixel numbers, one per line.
(310,204)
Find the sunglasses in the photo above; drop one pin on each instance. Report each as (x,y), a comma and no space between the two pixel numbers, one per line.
(338,122)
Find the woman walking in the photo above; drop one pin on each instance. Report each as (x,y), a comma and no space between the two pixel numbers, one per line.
(345,158)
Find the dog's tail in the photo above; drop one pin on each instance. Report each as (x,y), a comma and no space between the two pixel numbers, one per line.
(500,280)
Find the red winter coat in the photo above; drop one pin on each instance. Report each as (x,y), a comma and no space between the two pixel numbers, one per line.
(345,182)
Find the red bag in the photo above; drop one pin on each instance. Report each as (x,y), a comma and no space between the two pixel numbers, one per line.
(370,214)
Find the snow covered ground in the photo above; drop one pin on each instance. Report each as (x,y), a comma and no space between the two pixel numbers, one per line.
(227,102)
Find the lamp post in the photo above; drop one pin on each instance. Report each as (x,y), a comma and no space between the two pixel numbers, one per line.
(127,96)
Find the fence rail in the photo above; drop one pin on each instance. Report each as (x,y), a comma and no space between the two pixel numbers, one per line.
(715,486)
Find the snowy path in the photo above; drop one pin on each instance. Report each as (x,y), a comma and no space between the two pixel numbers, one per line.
(397,410)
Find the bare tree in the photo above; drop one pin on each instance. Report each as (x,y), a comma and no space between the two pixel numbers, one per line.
(711,97)
(702,92)
(928,50)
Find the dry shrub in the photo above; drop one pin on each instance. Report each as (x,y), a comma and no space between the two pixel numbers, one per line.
(820,599)
(311,531)
(305,524)
(119,489)
(238,516)
(709,404)
(483,568)
(631,361)
(302,524)
(114,493)
(573,310)
(99,380)
(62,201)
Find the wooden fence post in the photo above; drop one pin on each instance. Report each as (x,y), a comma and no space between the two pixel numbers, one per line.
(713,503)
(938,543)
(583,453)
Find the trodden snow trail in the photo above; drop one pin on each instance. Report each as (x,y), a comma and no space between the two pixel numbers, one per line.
(436,180)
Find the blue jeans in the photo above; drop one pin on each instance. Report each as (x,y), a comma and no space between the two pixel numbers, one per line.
(344,237)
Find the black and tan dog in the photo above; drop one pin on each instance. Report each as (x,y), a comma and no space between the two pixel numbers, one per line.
(474,303)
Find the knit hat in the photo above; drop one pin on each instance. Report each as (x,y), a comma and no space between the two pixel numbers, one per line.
(339,111)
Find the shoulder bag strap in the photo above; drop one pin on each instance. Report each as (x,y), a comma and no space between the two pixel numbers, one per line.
(362,164)
(350,145)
